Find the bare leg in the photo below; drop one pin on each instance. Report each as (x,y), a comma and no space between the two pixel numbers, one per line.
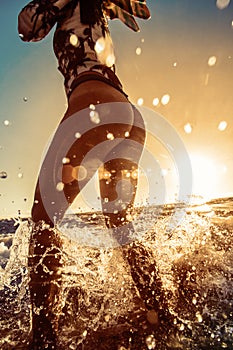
(118,186)
(44,264)
(52,201)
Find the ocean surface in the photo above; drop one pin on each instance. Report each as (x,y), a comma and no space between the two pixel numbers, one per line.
(191,249)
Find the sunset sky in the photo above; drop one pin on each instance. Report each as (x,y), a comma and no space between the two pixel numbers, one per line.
(180,67)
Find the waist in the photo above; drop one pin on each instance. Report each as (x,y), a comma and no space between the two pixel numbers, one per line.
(108,77)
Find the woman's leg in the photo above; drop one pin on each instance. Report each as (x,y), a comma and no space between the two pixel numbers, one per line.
(118,179)
(60,180)
(118,186)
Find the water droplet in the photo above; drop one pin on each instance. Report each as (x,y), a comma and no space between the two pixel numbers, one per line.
(104,51)
(142,40)
(92,107)
(221,4)
(127,134)
(212,61)
(60,186)
(175,64)
(181,328)
(20,175)
(110,136)
(188,128)
(222,125)
(100,45)
(21,35)
(110,60)
(194,300)
(134,174)
(77,135)
(94,116)
(107,318)
(74,40)
(199,317)
(138,51)
(207,79)
(140,101)
(164,172)
(155,101)
(224,345)
(3,175)
(79,172)
(150,342)
(6,122)
(165,99)
(66,160)
(106,175)
(85,333)
(106,200)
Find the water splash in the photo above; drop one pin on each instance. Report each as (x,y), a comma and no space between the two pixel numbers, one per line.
(14,298)
(100,305)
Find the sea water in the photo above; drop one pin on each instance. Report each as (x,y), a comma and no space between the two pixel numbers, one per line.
(193,258)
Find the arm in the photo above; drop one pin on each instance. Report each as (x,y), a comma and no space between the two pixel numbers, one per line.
(125,10)
(38,17)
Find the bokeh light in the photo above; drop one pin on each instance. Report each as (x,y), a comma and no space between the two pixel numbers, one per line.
(222,125)
(100,45)
(212,61)
(165,99)
(6,122)
(138,51)
(155,101)
(74,40)
(188,128)
(140,101)
(110,60)
(222,4)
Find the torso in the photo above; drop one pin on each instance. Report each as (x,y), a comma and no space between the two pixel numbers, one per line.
(74,45)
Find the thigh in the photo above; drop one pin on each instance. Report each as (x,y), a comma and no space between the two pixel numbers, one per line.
(118,178)
(131,142)
(79,147)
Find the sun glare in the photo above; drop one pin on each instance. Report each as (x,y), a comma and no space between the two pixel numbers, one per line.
(205,176)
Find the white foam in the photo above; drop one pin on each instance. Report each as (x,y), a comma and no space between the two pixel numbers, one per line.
(4,251)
